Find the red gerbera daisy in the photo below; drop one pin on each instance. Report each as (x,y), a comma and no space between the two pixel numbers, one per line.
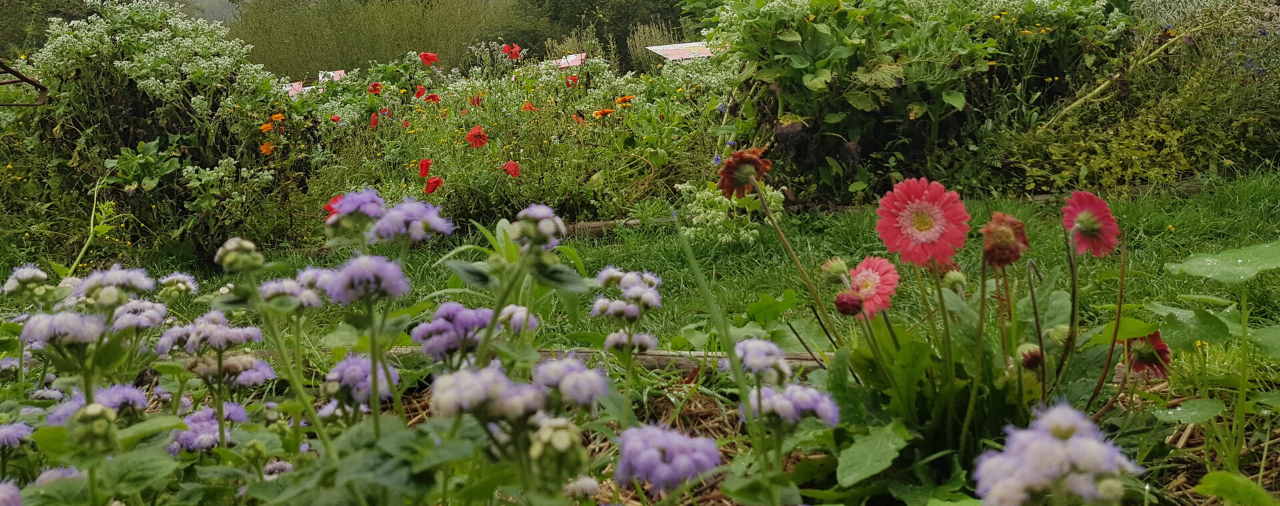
(512,168)
(570,81)
(1093,228)
(476,137)
(373,120)
(740,168)
(432,98)
(1149,355)
(874,281)
(419,91)
(475,101)
(335,118)
(922,222)
(332,206)
(432,185)
(1004,239)
(375,88)
(428,58)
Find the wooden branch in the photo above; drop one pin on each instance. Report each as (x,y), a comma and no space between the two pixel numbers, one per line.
(43,92)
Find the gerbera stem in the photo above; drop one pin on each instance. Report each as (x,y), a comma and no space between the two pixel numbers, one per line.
(1035,315)
(1069,345)
(791,252)
(1115,332)
(982,359)
(948,357)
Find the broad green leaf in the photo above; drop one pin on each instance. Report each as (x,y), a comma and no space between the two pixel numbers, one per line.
(560,276)
(53,440)
(870,454)
(817,81)
(767,308)
(473,273)
(789,36)
(1206,299)
(1130,328)
(954,99)
(134,472)
(130,436)
(1270,399)
(1235,489)
(1192,411)
(1231,266)
(1268,339)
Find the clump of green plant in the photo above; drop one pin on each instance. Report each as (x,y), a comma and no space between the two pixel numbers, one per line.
(712,218)
(646,35)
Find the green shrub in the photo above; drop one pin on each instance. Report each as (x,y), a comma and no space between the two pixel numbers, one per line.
(612,20)
(584,39)
(646,35)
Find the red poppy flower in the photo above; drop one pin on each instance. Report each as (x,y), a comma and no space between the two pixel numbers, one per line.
(385,112)
(476,101)
(432,185)
(332,206)
(1093,228)
(570,81)
(373,120)
(424,167)
(433,98)
(528,106)
(428,58)
(375,88)
(477,138)
(421,90)
(511,168)
(512,51)
(335,118)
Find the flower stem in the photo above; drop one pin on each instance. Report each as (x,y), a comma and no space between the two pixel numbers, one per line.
(1115,332)
(981,350)
(948,357)
(1035,313)
(299,389)
(1068,346)
(375,397)
(484,351)
(217,403)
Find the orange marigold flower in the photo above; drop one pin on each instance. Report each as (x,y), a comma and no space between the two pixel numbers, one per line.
(528,106)
(477,138)
(624,99)
(738,171)
(277,117)
(266,127)
(267,148)
(602,113)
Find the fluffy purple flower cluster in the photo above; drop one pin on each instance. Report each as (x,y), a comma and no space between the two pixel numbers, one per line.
(454,328)
(306,297)
(180,282)
(366,276)
(572,379)
(354,375)
(202,431)
(276,468)
(762,358)
(366,203)
(639,293)
(412,219)
(9,363)
(119,397)
(212,330)
(256,375)
(23,277)
(14,434)
(792,404)
(627,342)
(126,280)
(57,473)
(663,457)
(486,392)
(518,318)
(538,225)
(62,329)
(1061,451)
(60,414)
(10,495)
(138,314)
(46,394)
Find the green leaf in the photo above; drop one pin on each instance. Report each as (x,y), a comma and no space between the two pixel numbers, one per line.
(1192,411)
(954,99)
(767,309)
(1130,328)
(870,454)
(134,472)
(1235,489)
(345,336)
(789,36)
(473,273)
(1231,266)
(53,440)
(130,437)
(560,276)
(817,81)
(1270,399)
(862,101)
(1268,339)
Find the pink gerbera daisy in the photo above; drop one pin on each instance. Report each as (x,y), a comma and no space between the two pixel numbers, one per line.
(1093,228)
(921,221)
(874,281)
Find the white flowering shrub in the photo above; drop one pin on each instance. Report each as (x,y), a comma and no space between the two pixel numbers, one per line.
(712,218)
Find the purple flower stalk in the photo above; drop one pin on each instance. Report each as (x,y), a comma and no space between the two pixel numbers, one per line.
(354,374)
(663,457)
(792,404)
(12,435)
(365,203)
(138,314)
(1061,451)
(365,277)
(412,219)
(62,328)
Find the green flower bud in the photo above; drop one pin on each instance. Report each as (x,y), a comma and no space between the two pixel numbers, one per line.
(238,255)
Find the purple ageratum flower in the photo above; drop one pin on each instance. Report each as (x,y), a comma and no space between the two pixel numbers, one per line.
(276,468)
(62,328)
(138,314)
(119,397)
(10,495)
(518,318)
(468,391)
(181,282)
(201,433)
(792,404)
(46,394)
(9,363)
(354,374)
(1061,447)
(314,277)
(584,387)
(413,219)
(609,275)
(518,401)
(63,412)
(453,328)
(234,412)
(57,473)
(646,296)
(290,288)
(366,276)
(624,341)
(176,336)
(12,435)
(24,275)
(365,203)
(761,357)
(256,375)
(543,226)
(549,373)
(663,457)
(127,280)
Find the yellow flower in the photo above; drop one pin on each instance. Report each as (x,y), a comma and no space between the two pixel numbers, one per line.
(277,117)
(1171,228)
(1026,32)
(996,17)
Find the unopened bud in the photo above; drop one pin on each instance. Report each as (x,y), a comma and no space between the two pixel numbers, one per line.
(238,255)
(835,271)
(1032,356)
(848,303)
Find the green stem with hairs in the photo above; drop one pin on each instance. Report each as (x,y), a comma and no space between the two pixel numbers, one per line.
(299,389)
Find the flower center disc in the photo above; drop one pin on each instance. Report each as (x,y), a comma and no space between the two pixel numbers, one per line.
(922,222)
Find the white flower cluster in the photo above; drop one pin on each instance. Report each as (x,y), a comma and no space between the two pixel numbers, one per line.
(712,218)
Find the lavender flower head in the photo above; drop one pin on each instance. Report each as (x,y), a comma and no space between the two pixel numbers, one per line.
(256,375)
(792,404)
(201,433)
(314,278)
(63,412)
(180,282)
(518,401)
(57,473)
(609,276)
(119,397)
(537,225)
(762,357)
(469,391)
(23,277)
(549,373)
(364,203)
(354,374)
(615,308)
(306,297)
(663,457)
(412,219)
(628,342)
(46,394)
(1061,451)
(9,494)
(128,281)
(138,314)
(211,330)
(9,363)
(366,276)
(454,328)
(518,318)
(276,468)
(584,387)
(62,328)
(12,435)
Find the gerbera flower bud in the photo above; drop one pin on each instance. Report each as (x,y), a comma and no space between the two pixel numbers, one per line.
(743,167)
(834,270)
(848,303)
(1032,356)
(238,255)
(1149,355)
(955,280)
(1004,239)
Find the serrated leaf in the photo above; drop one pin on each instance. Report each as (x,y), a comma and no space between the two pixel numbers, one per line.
(884,75)
(870,454)
(1231,266)
(1192,411)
